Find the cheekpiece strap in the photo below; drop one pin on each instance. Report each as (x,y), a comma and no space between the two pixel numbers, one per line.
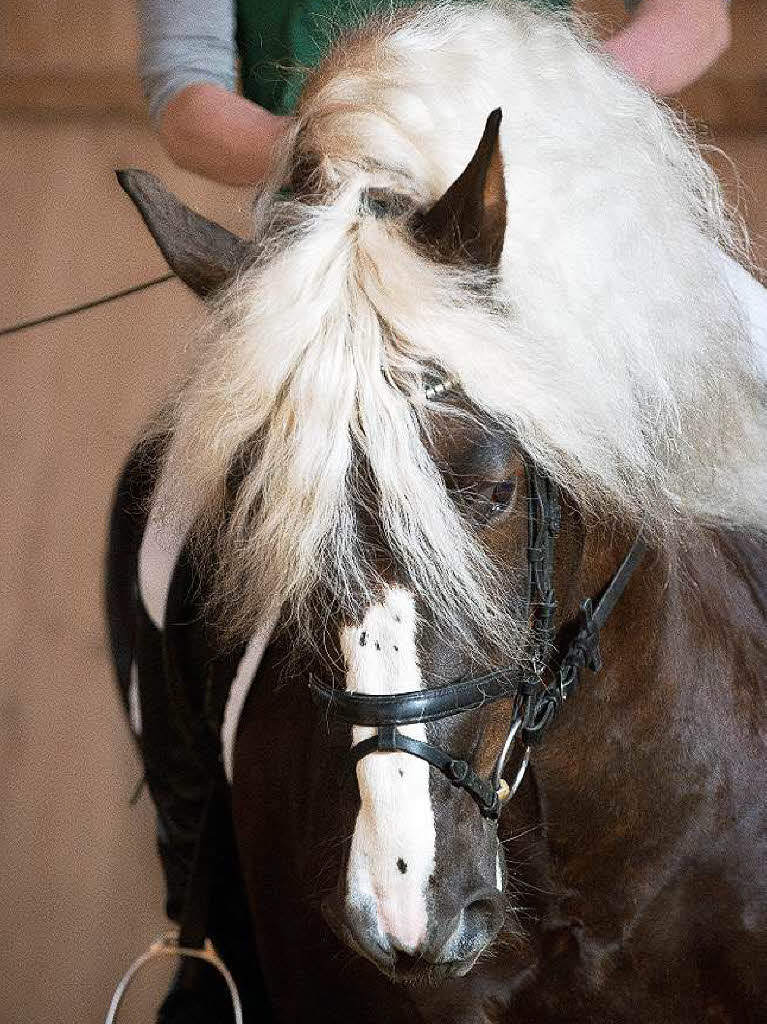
(583,652)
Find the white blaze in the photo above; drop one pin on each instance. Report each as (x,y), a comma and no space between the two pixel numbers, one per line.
(393,846)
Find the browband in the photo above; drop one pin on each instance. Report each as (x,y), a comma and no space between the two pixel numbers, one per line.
(414,706)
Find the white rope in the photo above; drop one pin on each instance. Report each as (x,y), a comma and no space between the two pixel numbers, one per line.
(167,945)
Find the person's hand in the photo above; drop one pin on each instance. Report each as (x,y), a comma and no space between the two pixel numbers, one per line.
(668,44)
(221,135)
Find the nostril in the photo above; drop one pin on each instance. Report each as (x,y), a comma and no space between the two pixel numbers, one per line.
(483,915)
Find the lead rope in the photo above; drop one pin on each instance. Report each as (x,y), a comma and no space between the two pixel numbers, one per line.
(168,945)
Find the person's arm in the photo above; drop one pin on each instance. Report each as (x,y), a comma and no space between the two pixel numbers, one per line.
(188,66)
(188,63)
(221,135)
(667,44)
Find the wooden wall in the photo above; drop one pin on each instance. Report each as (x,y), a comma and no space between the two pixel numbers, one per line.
(73,56)
(81,885)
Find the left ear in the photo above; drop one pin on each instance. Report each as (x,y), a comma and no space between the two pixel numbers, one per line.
(203,254)
(469,221)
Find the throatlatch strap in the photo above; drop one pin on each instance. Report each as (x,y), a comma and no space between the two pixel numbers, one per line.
(583,652)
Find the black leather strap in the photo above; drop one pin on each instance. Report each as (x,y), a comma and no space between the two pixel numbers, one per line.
(582,652)
(194,916)
(619,582)
(414,706)
(544,521)
(389,739)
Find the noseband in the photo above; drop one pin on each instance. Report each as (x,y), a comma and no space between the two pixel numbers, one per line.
(538,687)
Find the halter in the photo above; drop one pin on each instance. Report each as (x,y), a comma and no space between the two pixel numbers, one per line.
(538,687)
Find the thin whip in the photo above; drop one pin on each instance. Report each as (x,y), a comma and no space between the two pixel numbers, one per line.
(86,305)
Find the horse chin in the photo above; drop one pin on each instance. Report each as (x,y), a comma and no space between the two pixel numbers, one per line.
(425,975)
(346,936)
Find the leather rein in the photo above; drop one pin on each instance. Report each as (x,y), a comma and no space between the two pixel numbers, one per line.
(538,687)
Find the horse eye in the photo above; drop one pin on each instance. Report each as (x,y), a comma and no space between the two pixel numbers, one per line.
(495,502)
(502,496)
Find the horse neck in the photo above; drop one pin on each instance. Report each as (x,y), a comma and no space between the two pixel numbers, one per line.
(629,774)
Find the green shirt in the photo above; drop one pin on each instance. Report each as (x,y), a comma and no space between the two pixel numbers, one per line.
(280,40)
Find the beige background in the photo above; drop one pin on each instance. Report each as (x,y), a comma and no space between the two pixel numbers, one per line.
(81,887)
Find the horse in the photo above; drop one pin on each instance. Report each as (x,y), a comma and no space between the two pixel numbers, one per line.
(437,592)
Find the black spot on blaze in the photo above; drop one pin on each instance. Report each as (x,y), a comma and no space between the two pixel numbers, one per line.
(378,646)
(363,639)
(395,647)
(398,618)
(402,865)
(401,773)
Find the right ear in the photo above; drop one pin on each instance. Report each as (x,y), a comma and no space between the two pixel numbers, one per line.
(469,221)
(202,253)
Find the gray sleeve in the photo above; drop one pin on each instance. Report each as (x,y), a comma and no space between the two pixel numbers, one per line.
(182,42)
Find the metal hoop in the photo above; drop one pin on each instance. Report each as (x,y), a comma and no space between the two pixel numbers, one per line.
(167,945)
(517,782)
(505,789)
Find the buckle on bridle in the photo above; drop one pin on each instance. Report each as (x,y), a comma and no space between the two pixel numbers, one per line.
(587,639)
(457,771)
(541,715)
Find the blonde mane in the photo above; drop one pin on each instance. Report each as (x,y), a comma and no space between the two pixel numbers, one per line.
(612,347)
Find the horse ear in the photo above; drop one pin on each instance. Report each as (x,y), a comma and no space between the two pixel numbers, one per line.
(201,252)
(469,221)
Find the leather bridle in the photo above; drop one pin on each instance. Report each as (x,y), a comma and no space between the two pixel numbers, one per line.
(538,687)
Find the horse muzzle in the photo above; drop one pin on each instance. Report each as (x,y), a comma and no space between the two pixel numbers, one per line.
(401,949)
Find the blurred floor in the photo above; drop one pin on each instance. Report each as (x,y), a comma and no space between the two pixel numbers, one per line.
(83,892)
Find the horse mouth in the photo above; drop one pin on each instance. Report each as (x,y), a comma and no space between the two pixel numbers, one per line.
(400,968)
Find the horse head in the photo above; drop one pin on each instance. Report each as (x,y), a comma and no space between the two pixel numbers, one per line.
(423,876)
